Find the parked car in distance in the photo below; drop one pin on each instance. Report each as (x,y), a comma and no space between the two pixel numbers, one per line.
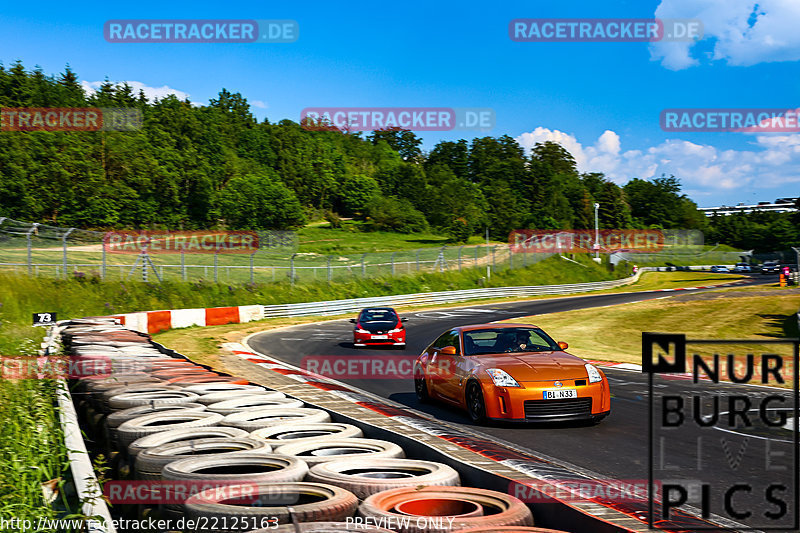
(719,268)
(771,267)
(742,267)
(378,326)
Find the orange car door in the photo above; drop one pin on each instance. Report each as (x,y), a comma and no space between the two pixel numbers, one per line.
(446,366)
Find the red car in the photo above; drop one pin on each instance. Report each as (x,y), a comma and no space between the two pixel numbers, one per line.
(379,326)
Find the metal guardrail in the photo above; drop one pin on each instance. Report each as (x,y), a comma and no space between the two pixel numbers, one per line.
(336,307)
(87,487)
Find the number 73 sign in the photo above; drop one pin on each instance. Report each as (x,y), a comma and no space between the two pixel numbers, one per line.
(44,319)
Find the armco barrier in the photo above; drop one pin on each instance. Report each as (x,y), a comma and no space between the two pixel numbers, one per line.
(86,485)
(158,321)
(336,307)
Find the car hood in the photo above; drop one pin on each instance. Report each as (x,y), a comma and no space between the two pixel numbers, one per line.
(535,366)
(382,325)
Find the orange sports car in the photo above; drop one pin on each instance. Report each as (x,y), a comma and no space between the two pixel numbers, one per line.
(510,372)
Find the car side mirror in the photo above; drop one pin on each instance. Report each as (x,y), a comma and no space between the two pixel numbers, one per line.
(563,345)
(404,319)
(448,350)
(352,320)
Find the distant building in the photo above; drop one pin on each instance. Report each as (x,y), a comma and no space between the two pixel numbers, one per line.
(781,205)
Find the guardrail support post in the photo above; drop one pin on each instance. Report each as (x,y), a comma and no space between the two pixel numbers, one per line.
(510,258)
(64,248)
(252,274)
(330,273)
(417,260)
(291,269)
(393,254)
(28,237)
(493,258)
(103,261)
(216,264)
(183,262)
(459,258)
(363,266)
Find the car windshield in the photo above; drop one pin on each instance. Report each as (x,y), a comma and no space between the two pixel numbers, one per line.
(378,315)
(507,340)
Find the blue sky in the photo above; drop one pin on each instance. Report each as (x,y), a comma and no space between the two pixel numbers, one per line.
(600,100)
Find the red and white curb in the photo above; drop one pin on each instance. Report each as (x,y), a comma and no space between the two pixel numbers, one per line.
(158,321)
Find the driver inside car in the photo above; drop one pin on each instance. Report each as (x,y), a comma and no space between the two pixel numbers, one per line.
(515,342)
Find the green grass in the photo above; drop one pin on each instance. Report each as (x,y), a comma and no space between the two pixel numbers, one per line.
(614,333)
(20,295)
(32,450)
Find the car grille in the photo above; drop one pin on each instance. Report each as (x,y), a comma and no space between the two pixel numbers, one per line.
(558,409)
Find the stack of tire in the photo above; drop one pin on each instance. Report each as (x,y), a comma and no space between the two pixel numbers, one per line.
(251,459)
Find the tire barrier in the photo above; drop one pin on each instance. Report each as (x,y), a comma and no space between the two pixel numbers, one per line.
(288,502)
(316,452)
(297,432)
(261,418)
(466,507)
(131,430)
(180,435)
(165,419)
(365,477)
(252,403)
(151,461)
(223,396)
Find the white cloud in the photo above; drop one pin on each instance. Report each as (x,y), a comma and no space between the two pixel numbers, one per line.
(259,104)
(703,169)
(89,87)
(742,32)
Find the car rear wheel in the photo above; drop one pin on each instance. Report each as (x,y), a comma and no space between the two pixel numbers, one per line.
(420,387)
(475,404)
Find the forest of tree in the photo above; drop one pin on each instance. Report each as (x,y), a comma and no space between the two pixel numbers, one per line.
(202,166)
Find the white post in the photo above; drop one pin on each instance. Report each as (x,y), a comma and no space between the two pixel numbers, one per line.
(596,233)
(488,269)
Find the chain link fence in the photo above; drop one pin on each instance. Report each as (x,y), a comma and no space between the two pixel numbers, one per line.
(42,250)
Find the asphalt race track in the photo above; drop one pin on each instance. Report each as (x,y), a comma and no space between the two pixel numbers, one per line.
(617,448)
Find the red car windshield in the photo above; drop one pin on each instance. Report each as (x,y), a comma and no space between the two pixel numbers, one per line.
(378,315)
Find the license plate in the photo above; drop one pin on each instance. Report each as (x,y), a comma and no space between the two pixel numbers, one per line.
(380,336)
(559,394)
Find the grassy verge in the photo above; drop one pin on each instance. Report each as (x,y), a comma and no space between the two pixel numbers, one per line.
(20,296)
(614,333)
(32,450)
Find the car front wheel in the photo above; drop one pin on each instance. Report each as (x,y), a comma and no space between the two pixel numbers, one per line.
(475,404)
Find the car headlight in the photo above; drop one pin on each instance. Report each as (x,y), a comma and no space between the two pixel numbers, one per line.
(398,330)
(594,374)
(501,378)
(359,330)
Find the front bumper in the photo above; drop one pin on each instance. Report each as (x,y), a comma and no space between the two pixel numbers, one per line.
(366,339)
(526,403)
